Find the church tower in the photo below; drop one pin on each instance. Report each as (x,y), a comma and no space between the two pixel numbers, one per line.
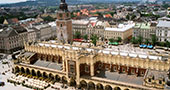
(64,24)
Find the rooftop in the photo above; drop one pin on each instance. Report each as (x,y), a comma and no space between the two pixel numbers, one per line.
(121,27)
(121,77)
(163,24)
(113,51)
(48,64)
(143,25)
(157,74)
(84,22)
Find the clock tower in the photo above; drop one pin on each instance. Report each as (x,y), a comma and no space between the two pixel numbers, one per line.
(64,24)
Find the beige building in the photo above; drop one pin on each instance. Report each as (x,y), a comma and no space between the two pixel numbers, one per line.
(122,31)
(31,34)
(12,39)
(93,68)
(44,32)
(146,30)
(80,26)
(90,27)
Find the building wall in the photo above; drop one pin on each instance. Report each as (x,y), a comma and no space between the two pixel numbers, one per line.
(163,34)
(32,36)
(89,65)
(115,34)
(105,58)
(45,33)
(80,28)
(11,44)
(145,33)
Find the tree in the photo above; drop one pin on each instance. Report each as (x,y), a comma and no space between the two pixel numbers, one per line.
(140,39)
(128,17)
(112,13)
(73,15)
(133,40)
(133,16)
(85,37)
(147,41)
(111,40)
(94,39)
(77,35)
(168,16)
(119,39)
(167,43)
(154,40)
(48,19)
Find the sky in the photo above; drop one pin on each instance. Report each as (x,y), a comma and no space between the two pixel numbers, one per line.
(10,1)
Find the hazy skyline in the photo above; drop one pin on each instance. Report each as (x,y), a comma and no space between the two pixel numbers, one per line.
(10,1)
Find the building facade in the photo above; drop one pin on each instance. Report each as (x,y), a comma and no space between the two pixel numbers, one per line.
(64,24)
(80,26)
(31,34)
(163,31)
(145,30)
(93,68)
(44,32)
(122,31)
(12,39)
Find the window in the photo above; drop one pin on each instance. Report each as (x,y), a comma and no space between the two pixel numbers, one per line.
(67,14)
(149,80)
(61,25)
(114,68)
(123,69)
(160,82)
(86,68)
(60,15)
(133,71)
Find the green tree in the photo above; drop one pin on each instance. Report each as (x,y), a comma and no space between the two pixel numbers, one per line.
(133,16)
(111,40)
(94,39)
(168,16)
(140,39)
(154,40)
(133,40)
(119,39)
(77,35)
(48,19)
(85,37)
(72,15)
(112,13)
(147,41)
(167,43)
(128,17)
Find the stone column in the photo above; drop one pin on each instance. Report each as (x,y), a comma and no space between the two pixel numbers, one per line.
(92,69)
(78,73)
(66,68)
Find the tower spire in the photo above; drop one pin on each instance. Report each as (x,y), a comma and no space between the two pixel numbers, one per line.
(63,5)
(63,1)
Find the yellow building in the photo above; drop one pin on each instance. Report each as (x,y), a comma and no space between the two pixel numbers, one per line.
(93,68)
(123,31)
